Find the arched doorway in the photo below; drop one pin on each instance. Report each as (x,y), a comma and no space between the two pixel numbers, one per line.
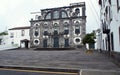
(24,43)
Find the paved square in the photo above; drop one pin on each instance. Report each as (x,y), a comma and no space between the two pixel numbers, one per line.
(75,59)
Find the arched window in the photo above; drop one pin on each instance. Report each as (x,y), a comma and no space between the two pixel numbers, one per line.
(77,27)
(48,16)
(77,31)
(63,14)
(36,33)
(55,14)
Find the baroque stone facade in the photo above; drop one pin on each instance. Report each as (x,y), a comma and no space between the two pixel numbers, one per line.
(59,27)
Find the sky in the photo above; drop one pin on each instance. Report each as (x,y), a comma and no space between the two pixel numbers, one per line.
(17,13)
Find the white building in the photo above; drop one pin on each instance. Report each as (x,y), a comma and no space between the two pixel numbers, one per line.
(19,36)
(110,25)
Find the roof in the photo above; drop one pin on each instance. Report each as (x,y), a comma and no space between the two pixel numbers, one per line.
(71,5)
(19,28)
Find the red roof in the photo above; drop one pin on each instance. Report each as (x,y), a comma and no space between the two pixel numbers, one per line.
(18,28)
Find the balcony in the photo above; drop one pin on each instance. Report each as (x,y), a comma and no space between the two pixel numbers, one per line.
(105,29)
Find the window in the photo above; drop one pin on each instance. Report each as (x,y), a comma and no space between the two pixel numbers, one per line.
(55,32)
(45,33)
(55,14)
(66,32)
(77,40)
(36,33)
(11,35)
(100,2)
(64,14)
(109,1)
(48,16)
(22,32)
(77,31)
(112,41)
(118,5)
(36,42)
(106,10)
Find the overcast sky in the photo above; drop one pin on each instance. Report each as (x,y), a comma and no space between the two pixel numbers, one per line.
(16,13)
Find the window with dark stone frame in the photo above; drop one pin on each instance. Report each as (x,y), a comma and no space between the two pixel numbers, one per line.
(66,32)
(45,33)
(36,33)
(77,31)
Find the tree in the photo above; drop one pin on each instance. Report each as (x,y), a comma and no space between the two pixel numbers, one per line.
(4,33)
(89,38)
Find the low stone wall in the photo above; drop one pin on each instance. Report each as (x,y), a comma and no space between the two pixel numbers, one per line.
(116,56)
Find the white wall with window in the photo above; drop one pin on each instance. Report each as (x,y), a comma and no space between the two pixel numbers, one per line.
(110,13)
(16,35)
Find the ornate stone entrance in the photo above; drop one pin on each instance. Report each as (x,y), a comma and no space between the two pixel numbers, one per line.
(66,44)
(56,42)
(45,43)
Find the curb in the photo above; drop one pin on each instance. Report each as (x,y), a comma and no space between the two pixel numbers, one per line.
(50,69)
(98,72)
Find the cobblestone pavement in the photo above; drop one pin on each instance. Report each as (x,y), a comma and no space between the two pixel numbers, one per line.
(77,59)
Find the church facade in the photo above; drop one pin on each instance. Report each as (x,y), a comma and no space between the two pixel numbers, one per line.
(62,27)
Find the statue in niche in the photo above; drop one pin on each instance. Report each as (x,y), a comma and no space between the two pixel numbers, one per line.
(76,13)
